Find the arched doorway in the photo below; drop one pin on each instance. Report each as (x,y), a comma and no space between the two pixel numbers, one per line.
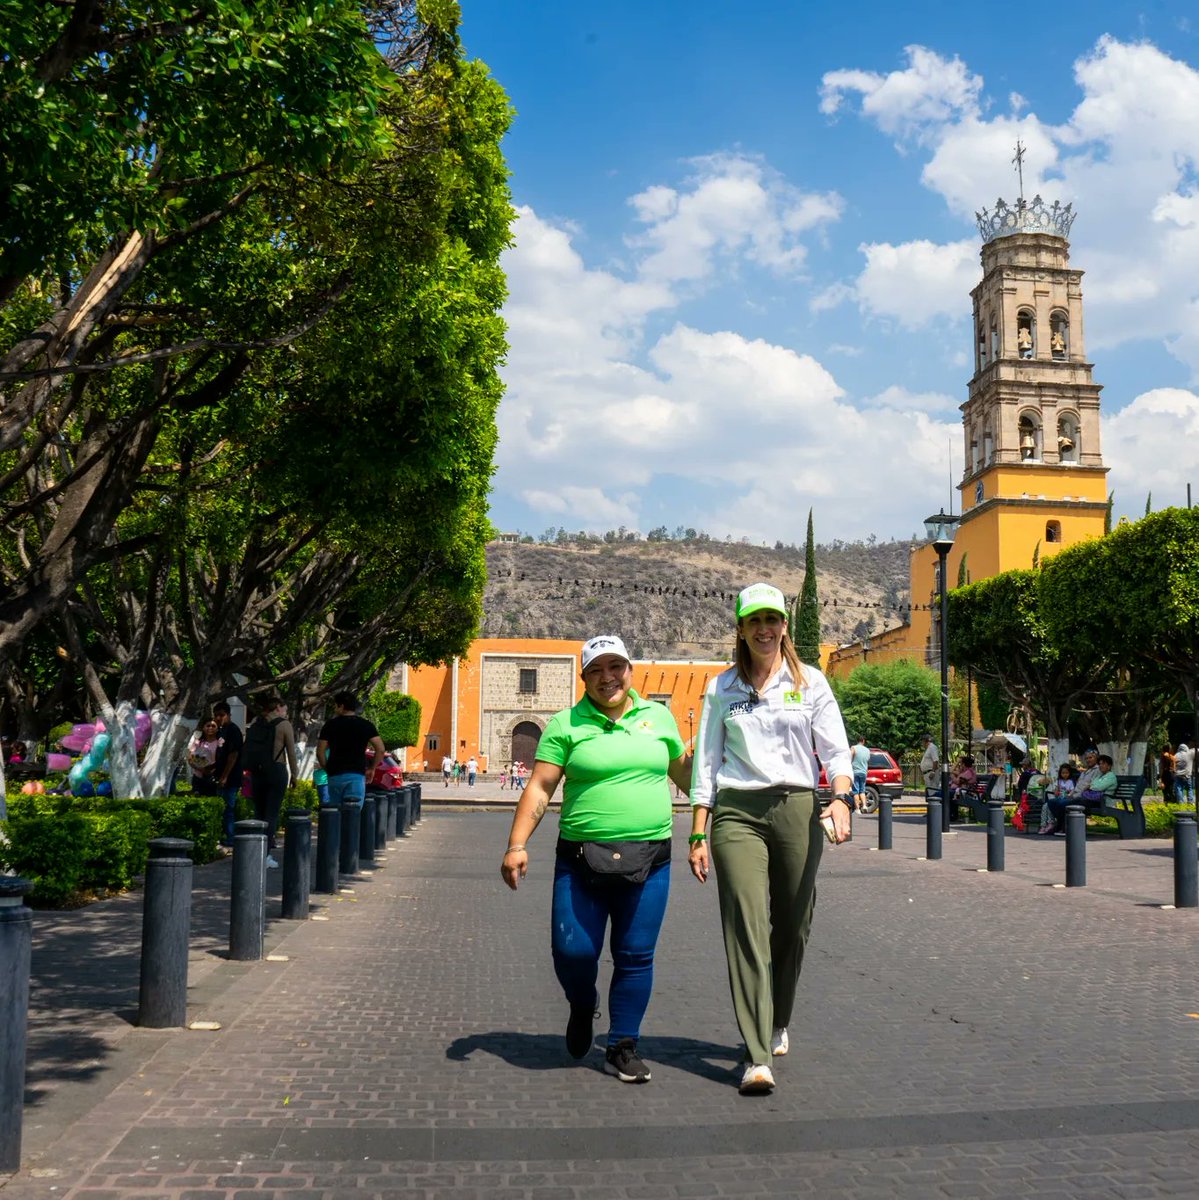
(524,742)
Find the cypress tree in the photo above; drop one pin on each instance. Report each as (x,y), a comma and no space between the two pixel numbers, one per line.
(805,612)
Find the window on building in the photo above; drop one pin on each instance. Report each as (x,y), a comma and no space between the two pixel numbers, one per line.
(1026,333)
(433,741)
(1030,437)
(1059,338)
(1053,531)
(528,681)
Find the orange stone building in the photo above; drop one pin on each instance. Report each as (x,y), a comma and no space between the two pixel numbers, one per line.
(494,702)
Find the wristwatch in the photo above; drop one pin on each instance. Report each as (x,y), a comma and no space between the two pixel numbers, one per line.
(845,799)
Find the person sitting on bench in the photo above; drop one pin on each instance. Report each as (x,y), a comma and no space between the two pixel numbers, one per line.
(1096,783)
(965,783)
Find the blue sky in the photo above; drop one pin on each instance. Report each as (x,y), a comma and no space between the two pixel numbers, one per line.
(740,280)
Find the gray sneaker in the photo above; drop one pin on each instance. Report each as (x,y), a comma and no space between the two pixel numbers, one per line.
(622,1061)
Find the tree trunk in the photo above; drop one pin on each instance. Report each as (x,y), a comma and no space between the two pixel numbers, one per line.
(120,722)
(1059,752)
(166,750)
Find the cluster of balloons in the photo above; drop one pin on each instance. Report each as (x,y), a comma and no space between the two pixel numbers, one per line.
(91,742)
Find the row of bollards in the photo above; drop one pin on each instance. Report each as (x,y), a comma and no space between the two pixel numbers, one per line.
(1186,845)
(166,919)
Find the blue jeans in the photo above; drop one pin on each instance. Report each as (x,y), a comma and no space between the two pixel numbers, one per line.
(346,787)
(1182,789)
(230,796)
(581,911)
(859,782)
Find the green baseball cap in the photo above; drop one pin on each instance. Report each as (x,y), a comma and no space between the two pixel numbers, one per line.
(758,596)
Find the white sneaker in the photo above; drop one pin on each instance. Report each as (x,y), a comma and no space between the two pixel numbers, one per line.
(779,1043)
(271,864)
(757,1078)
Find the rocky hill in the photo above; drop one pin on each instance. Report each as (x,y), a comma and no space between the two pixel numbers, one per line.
(672,598)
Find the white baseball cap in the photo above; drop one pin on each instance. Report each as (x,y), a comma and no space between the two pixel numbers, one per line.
(605,643)
(758,596)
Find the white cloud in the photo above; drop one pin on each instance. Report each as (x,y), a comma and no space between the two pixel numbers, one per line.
(1127,156)
(917,282)
(1152,445)
(901,400)
(929,92)
(589,506)
(731,206)
(596,413)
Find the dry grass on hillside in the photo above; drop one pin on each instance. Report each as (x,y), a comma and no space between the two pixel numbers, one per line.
(673,599)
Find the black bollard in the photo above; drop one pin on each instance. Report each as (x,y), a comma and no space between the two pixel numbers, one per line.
(1076,846)
(1186,862)
(884,823)
(351,834)
(166,925)
(932,830)
(328,848)
(415,804)
(366,830)
(382,800)
(297,863)
(402,802)
(16,938)
(247,907)
(391,813)
(995,835)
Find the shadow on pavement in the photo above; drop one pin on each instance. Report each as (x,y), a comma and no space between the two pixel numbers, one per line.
(545,1052)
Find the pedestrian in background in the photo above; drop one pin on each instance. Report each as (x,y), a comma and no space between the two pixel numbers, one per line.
(755,776)
(617,753)
(227,766)
(341,749)
(270,776)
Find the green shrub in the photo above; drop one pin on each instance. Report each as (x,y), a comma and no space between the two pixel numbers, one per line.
(301,794)
(118,849)
(48,848)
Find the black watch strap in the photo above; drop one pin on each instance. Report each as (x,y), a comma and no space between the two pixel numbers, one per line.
(846,798)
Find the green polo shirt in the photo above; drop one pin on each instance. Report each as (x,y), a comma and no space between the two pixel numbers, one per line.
(616,785)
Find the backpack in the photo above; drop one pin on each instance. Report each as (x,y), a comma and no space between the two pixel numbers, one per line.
(258,752)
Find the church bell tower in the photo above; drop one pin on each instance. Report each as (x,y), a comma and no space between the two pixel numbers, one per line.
(1033,478)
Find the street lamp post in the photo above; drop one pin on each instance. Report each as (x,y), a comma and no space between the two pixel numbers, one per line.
(691,728)
(940,529)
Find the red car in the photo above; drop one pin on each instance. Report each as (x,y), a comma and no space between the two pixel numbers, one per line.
(883,778)
(387,775)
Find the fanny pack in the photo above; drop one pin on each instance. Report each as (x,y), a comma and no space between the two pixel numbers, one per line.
(629,862)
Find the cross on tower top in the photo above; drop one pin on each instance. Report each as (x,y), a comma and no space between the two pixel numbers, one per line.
(1019,164)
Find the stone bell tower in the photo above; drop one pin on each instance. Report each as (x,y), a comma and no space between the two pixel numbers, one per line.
(1033,478)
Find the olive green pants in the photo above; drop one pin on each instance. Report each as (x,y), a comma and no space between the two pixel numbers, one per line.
(766,848)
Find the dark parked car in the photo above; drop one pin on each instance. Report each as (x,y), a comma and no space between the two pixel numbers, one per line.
(883,778)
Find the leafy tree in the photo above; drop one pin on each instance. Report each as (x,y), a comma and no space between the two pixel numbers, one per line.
(892,704)
(1136,594)
(321,506)
(805,611)
(396,716)
(996,630)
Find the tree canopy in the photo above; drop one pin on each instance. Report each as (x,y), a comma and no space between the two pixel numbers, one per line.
(249,344)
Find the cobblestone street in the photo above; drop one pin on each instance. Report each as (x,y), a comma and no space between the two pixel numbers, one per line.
(963,1034)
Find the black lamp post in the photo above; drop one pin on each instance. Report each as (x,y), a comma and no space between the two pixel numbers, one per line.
(691,728)
(940,529)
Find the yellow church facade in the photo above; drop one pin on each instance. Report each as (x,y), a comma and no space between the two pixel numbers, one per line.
(1033,480)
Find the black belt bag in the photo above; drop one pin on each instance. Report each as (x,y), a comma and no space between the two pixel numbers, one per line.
(628,862)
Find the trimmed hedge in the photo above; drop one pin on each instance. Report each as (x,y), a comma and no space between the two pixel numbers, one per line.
(71,848)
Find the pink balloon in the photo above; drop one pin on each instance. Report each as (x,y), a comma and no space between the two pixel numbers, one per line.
(58,762)
(74,743)
(84,731)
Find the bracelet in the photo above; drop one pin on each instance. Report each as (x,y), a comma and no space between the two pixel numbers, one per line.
(518,846)
(696,838)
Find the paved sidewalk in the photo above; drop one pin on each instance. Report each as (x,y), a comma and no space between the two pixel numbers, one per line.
(962,1035)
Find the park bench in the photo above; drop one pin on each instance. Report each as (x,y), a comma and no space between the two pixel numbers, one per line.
(975,800)
(1124,805)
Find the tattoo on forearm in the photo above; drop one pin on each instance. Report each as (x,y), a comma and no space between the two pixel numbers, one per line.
(539,811)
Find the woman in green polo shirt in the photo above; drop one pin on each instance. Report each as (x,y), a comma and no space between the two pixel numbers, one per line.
(618,754)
